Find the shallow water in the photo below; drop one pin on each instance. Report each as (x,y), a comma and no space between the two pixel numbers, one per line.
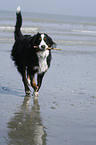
(65,110)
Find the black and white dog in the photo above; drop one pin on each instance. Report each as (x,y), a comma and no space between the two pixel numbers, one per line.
(31,55)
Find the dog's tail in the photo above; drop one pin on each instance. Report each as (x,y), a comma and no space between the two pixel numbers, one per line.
(17,32)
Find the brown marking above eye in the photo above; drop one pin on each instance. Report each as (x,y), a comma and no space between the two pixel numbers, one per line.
(40,39)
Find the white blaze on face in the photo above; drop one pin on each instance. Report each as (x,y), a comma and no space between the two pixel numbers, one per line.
(43,42)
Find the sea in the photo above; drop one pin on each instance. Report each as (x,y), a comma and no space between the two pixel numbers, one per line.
(66,31)
(65,111)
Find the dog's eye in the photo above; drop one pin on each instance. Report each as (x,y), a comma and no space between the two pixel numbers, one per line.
(44,38)
(40,39)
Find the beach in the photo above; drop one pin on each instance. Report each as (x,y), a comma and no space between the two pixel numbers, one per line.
(65,110)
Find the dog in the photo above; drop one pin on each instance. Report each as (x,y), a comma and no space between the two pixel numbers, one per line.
(31,55)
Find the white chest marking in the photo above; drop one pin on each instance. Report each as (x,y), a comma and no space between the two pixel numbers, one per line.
(42,57)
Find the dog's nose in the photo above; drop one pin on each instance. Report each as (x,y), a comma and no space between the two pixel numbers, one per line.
(43,46)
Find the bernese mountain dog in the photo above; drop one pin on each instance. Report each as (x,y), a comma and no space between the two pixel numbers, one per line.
(31,55)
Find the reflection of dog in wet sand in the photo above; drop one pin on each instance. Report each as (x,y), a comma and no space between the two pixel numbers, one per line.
(32,55)
(26,127)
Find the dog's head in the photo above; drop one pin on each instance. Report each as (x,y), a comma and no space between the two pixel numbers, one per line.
(42,41)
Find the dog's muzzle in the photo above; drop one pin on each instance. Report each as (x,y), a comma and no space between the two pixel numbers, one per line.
(41,48)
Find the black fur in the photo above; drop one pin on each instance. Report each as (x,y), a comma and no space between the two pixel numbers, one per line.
(24,54)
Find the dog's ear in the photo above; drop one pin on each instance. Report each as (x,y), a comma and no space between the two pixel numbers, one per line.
(31,40)
(35,39)
(54,45)
(51,43)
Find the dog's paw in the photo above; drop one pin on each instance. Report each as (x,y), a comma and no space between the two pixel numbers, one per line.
(28,92)
(35,94)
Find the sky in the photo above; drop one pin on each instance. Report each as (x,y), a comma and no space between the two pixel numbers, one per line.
(64,7)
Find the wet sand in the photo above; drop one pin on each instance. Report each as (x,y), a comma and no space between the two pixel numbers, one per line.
(65,112)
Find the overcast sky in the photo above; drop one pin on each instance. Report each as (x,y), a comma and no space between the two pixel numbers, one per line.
(65,7)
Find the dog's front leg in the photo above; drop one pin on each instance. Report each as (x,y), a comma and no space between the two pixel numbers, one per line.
(27,90)
(33,84)
(39,80)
